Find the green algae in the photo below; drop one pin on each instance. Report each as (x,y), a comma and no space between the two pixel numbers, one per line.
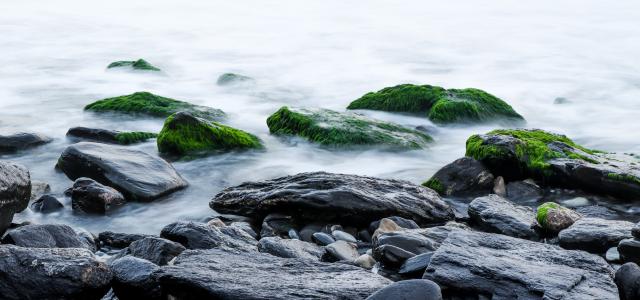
(232,78)
(624,178)
(126,138)
(139,64)
(543,209)
(408,98)
(435,185)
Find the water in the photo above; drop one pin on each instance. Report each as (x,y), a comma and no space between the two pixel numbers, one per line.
(310,53)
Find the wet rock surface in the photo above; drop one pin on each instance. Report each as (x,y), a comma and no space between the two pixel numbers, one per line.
(289,248)
(15,191)
(628,281)
(118,239)
(496,214)
(47,236)
(194,235)
(21,141)
(46,204)
(416,289)
(595,235)
(154,249)
(463,177)
(132,279)
(89,196)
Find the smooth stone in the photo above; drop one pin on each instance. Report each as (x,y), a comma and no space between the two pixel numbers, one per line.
(46,236)
(306,233)
(418,241)
(21,141)
(154,249)
(386,225)
(365,236)
(342,251)
(391,256)
(119,240)
(38,189)
(46,204)
(629,250)
(554,218)
(89,196)
(499,188)
(246,227)
(575,202)
(323,239)
(365,261)
(628,281)
(416,264)
(343,236)
(595,235)
(415,289)
(612,255)
(15,192)
(290,248)
(523,190)
(133,280)
(293,234)
(464,177)
(499,215)
(400,221)
(194,235)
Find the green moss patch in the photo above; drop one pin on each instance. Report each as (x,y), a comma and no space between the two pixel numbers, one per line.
(541,214)
(146,103)
(624,178)
(126,138)
(334,129)
(139,64)
(232,78)
(435,185)
(408,98)
(186,134)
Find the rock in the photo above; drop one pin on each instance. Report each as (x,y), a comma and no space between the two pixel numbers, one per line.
(288,248)
(391,256)
(496,214)
(612,255)
(232,79)
(200,236)
(109,136)
(322,238)
(89,196)
(553,217)
(365,236)
(555,160)
(365,261)
(139,64)
(119,240)
(415,289)
(418,241)
(499,187)
(15,191)
(340,235)
(51,273)
(21,141)
(523,190)
(352,199)
(342,251)
(576,202)
(293,234)
(385,225)
(416,265)
(628,281)
(594,235)
(344,130)
(402,222)
(246,227)
(46,204)
(148,104)
(156,250)
(38,189)
(464,177)
(136,174)
(219,274)
(438,104)
(306,233)
(185,134)
(46,236)
(503,267)
(132,279)
(276,225)
(629,250)
(635,231)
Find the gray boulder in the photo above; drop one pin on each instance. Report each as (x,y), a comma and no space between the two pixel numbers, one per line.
(464,177)
(89,196)
(595,235)
(21,141)
(46,204)
(154,249)
(496,214)
(133,280)
(289,248)
(194,235)
(15,191)
(46,236)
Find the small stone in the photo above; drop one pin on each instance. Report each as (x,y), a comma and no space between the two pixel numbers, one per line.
(340,235)
(132,279)
(89,196)
(554,218)
(415,289)
(46,204)
(365,261)
(119,240)
(215,222)
(290,248)
(636,231)
(39,188)
(416,264)
(364,235)
(612,254)
(342,250)
(386,225)
(323,239)
(293,234)
(391,256)
(306,233)
(499,187)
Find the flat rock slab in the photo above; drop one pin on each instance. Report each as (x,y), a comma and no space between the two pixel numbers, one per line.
(46,236)
(20,141)
(219,274)
(136,174)
(594,234)
(289,248)
(194,235)
(503,267)
(353,199)
(496,214)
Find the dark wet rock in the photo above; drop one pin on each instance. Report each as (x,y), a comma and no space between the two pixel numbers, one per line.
(595,235)
(139,64)
(38,189)
(629,250)
(246,227)
(418,241)
(119,240)
(464,177)
(416,265)
(635,231)
(46,204)
(132,279)
(340,235)
(108,136)
(201,236)
(219,274)
(628,281)
(523,190)
(400,221)
(51,273)
(89,196)
(553,218)
(364,236)
(415,289)
(154,249)
(289,248)
(15,191)
(597,211)
(342,251)
(136,174)
(391,256)
(306,233)
(232,79)
(352,199)
(496,214)
(322,238)
(21,141)
(46,236)
(504,267)
(276,225)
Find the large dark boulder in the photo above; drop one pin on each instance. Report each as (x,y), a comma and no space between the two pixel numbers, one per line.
(89,196)
(496,214)
(51,273)
(15,191)
(46,236)
(464,177)
(108,136)
(595,235)
(133,280)
(136,174)
(220,274)
(154,249)
(628,281)
(289,248)
(502,267)
(349,199)
(415,289)
(21,141)
(194,235)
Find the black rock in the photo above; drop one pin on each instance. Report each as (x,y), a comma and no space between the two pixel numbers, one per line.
(415,289)
(391,256)
(464,177)
(46,236)
(89,196)
(136,174)
(349,199)
(595,235)
(119,240)
(418,241)
(289,248)
(628,281)
(154,249)
(416,265)
(220,274)
(46,204)
(496,214)
(402,222)
(21,141)
(51,273)
(306,233)
(276,225)
(246,227)
(523,190)
(132,279)
(15,191)
(322,238)
(636,231)
(201,236)
(93,134)
(629,250)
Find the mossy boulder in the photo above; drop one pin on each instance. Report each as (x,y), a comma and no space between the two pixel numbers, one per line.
(232,78)
(555,160)
(139,64)
(553,217)
(186,134)
(145,103)
(335,129)
(440,105)
(109,136)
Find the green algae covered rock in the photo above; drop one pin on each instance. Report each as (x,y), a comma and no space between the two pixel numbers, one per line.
(132,137)
(109,136)
(139,64)
(335,129)
(553,217)
(186,134)
(438,104)
(232,78)
(145,103)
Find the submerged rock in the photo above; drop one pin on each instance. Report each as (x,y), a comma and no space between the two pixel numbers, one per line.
(46,236)
(15,191)
(289,248)
(232,78)
(184,133)
(139,64)
(109,136)
(21,141)
(219,274)
(344,130)
(496,214)
(439,104)
(352,199)
(415,289)
(137,175)
(502,267)
(133,280)
(145,103)
(46,204)
(595,235)
(89,196)
(463,177)
(552,217)
(201,236)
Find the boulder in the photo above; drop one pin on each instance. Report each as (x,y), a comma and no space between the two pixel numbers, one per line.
(351,199)
(595,235)
(220,274)
(628,281)
(464,177)
(438,104)
(15,191)
(133,280)
(365,261)
(496,214)
(89,196)
(629,250)
(233,79)
(418,241)
(46,236)
(109,136)
(523,190)
(185,134)
(288,248)
(415,289)
(20,141)
(148,104)
(553,218)
(119,240)
(555,160)
(154,249)
(201,236)
(344,130)
(139,64)
(51,273)
(503,267)
(46,204)
(137,175)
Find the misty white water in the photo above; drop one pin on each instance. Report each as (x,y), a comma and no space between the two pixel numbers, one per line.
(53,58)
